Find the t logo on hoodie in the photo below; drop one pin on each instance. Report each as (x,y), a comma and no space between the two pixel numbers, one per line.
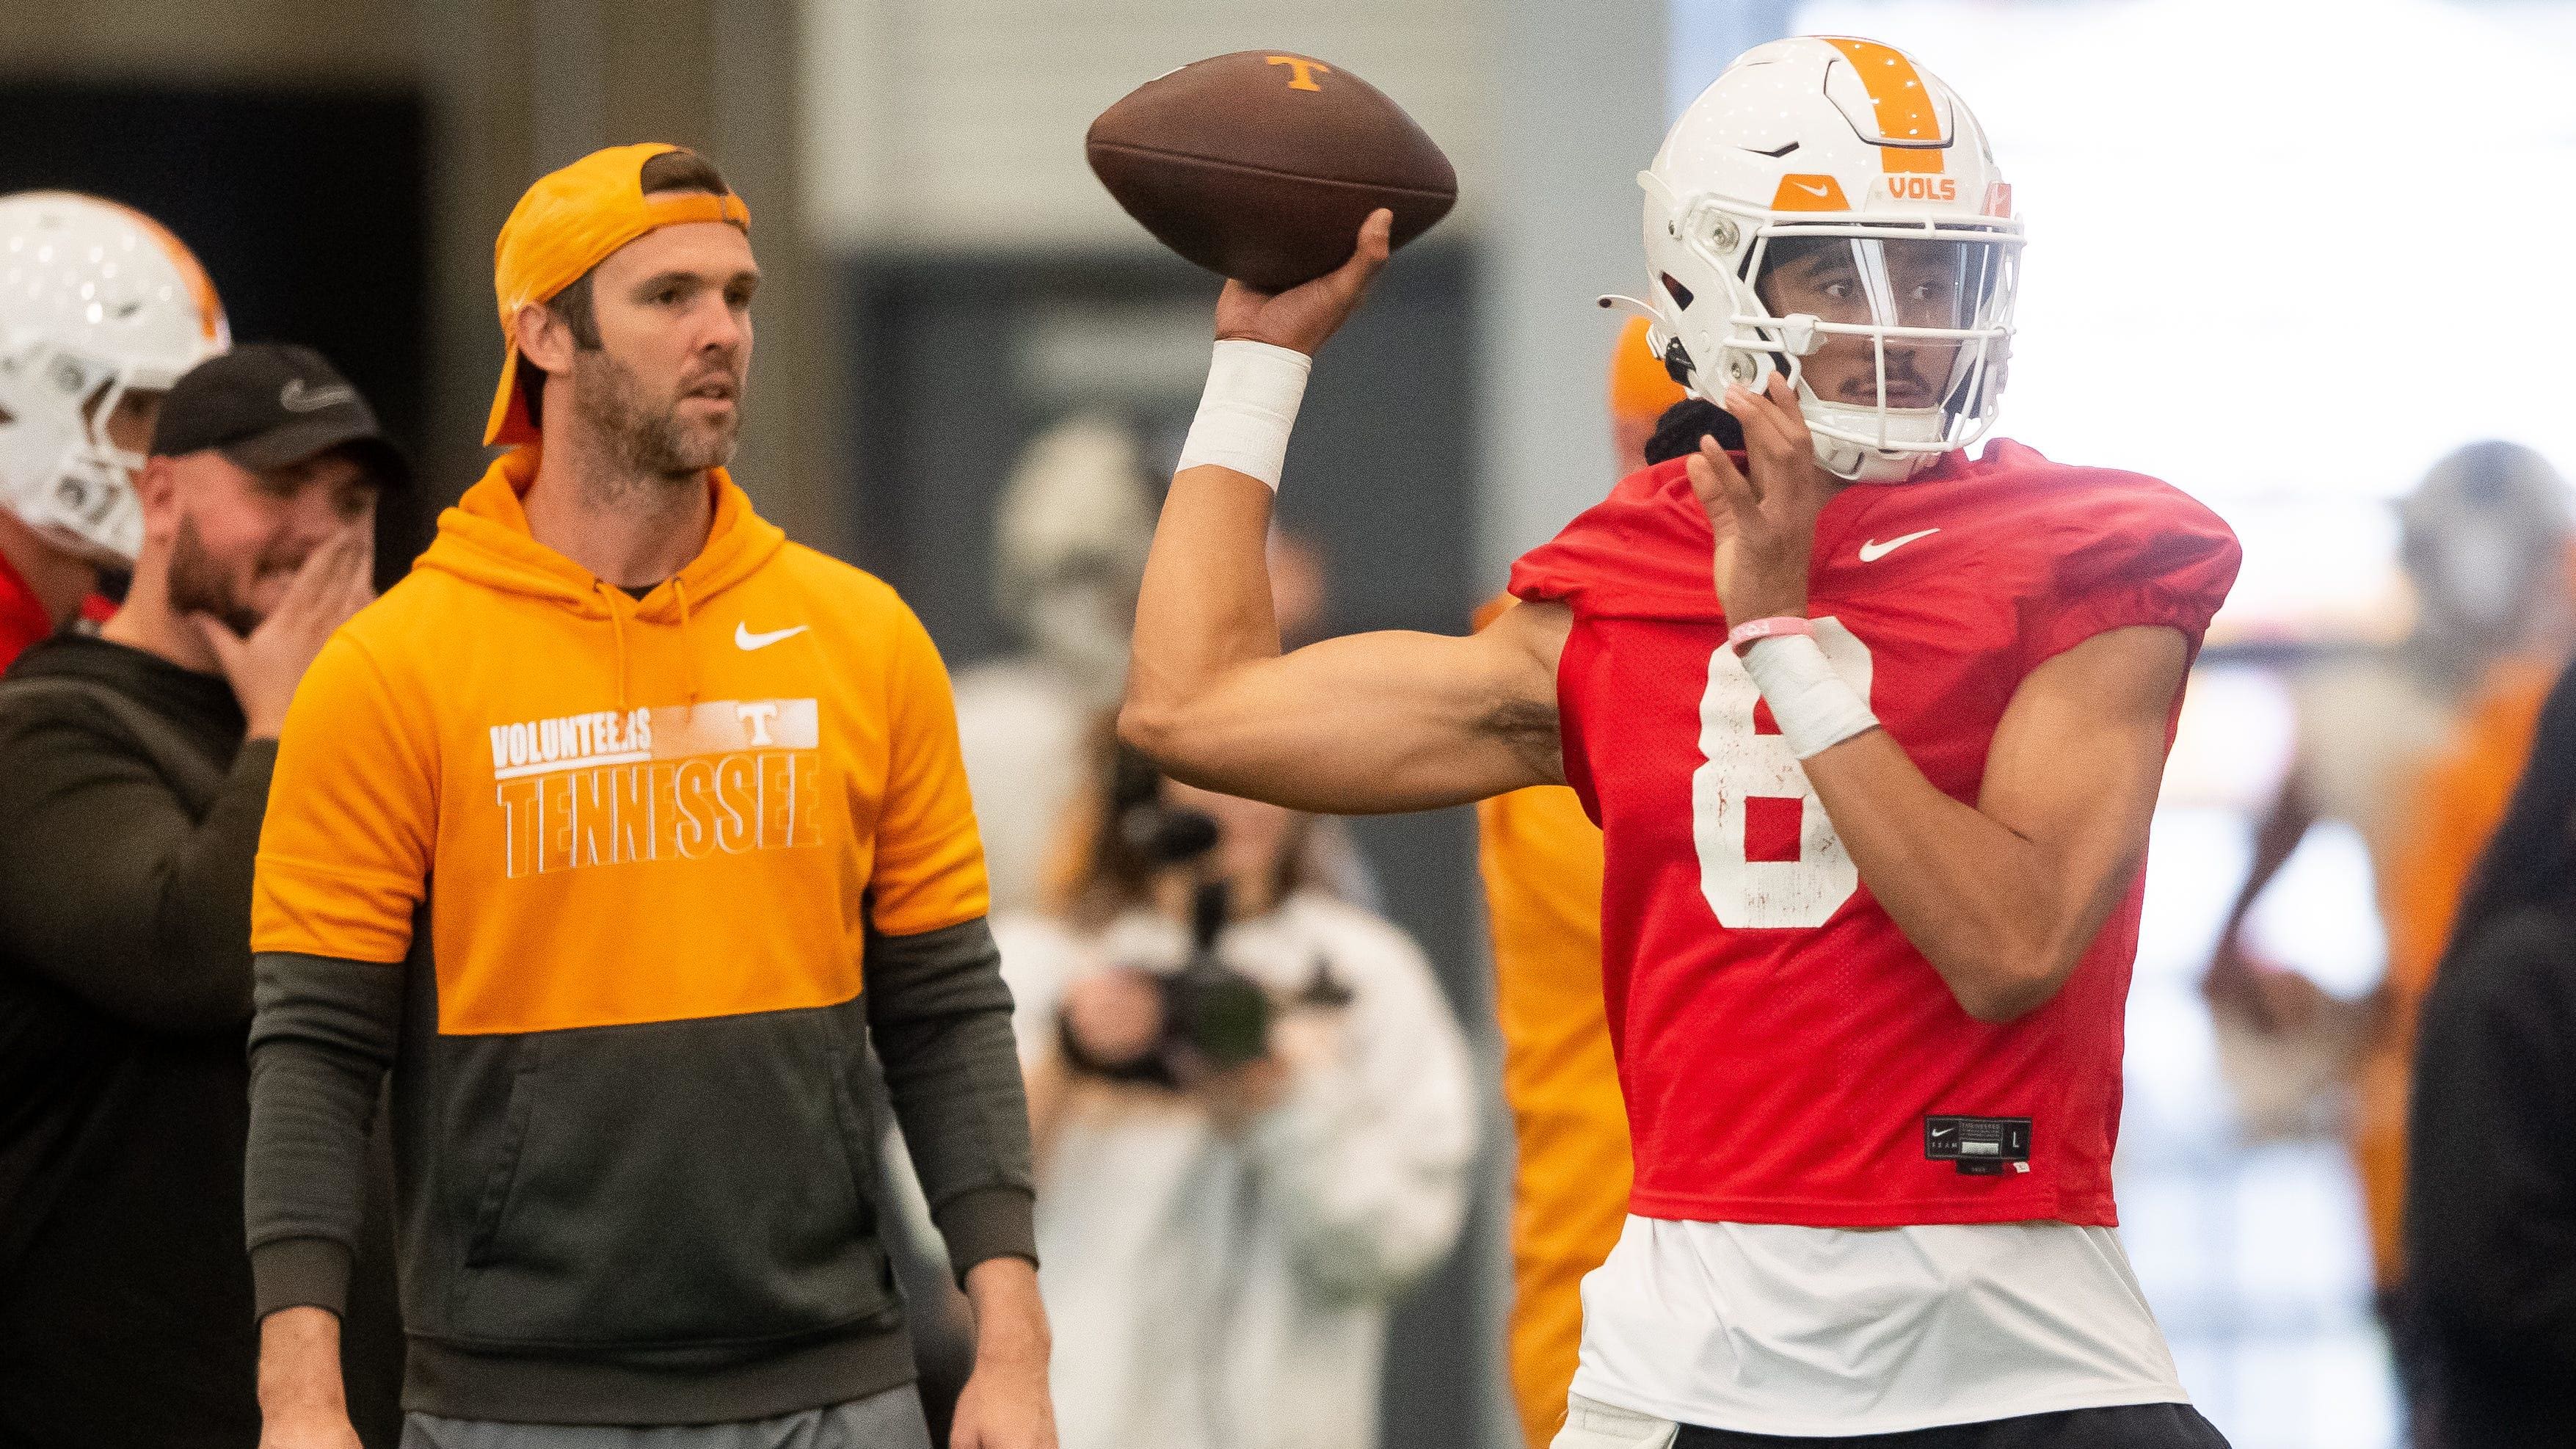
(611,787)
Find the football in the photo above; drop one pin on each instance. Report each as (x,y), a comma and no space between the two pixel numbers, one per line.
(1261,165)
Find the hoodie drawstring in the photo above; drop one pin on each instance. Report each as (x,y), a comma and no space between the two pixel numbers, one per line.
(617,627)
(688,656)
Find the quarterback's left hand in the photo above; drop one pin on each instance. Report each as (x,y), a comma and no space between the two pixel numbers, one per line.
(1766,522)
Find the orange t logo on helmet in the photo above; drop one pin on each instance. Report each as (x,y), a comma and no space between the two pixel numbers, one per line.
(566,224)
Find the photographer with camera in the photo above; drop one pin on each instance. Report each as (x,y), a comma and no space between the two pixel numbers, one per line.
(1253,1123)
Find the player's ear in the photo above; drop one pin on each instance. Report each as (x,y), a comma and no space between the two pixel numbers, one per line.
(156,489)
(545,337)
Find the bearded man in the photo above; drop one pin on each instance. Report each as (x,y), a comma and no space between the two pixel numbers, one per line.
(134,768)
(590,833)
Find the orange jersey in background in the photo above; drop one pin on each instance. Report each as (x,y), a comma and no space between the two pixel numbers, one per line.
(1541,861)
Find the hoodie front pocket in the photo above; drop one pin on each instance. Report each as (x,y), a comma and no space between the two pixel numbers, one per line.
(495,1196)
(677,1183)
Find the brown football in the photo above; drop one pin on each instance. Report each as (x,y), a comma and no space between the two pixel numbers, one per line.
(1261,165)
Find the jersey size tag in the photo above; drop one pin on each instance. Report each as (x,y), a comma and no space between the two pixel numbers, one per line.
(1979,1145)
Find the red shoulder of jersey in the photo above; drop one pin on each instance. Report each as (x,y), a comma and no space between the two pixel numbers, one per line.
(2073,551)
(23,619)
(1642,551)
(2121,549)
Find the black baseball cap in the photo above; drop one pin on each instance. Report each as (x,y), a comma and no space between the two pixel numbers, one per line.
(268,405)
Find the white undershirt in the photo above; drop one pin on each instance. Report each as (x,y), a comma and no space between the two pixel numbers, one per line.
(1773,1329)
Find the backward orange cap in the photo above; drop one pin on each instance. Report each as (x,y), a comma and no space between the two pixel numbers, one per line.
(1640,387)
(566,224)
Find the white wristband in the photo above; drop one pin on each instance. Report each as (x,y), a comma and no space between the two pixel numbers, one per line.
(1816,709)
(1250,404)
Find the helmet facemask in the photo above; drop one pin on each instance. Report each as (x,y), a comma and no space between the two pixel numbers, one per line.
(1896,333)
(64,475)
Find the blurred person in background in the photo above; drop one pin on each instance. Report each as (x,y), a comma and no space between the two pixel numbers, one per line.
(615,838)
(101,310)
(1540,857)
(134,772)
(2490,1222)
(1069,538)
(1253,1120)
(1070,533)
(2416,747)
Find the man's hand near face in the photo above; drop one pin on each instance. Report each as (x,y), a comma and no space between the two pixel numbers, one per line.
(335,581)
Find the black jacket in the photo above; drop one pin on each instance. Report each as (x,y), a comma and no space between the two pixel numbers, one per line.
(2491,1188)
(130,811)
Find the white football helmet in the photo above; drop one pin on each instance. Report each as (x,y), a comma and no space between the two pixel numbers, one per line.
(1070,535)
(97,301)
(1827,206)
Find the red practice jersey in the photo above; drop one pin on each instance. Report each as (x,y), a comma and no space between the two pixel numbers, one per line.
(1786,1054)
(23,619)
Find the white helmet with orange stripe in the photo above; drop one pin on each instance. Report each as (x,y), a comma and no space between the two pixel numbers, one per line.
(99,306)
(1829,208)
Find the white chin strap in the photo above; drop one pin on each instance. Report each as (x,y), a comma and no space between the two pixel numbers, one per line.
(1916,434)
(1857,464)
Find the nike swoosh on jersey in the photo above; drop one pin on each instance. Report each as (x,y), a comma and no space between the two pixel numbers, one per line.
(1811,188)
(1871,550)
(746,640)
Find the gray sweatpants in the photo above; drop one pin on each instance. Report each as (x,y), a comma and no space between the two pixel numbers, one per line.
(890,1420)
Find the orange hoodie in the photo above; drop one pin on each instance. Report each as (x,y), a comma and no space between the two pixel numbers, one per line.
(612,793)
(597,880)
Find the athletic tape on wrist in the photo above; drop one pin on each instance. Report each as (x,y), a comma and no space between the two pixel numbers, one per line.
(1815,708)
(1250,405)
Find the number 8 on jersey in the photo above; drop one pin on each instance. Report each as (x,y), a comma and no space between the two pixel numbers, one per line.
(1751,773)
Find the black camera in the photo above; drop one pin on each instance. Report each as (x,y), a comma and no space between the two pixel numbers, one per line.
(1214,1017)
